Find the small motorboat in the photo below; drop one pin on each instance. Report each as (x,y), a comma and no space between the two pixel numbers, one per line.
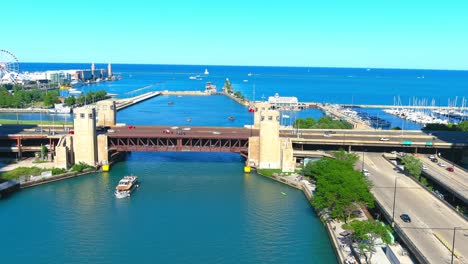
(170,103)
(231,118)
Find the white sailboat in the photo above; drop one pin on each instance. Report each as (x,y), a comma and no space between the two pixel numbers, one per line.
(206,72)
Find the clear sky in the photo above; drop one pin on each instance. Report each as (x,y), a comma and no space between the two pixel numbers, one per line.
(429,34)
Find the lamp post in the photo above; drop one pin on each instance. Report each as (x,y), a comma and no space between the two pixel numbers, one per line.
(453,243)
(394,200)
(362,167)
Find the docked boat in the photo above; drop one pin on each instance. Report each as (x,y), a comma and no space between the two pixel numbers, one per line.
(125,187)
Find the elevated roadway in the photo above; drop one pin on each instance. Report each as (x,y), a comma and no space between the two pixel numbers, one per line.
(429,215)
(456,182)
(377,138)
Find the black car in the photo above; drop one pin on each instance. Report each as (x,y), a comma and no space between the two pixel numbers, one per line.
(406,218)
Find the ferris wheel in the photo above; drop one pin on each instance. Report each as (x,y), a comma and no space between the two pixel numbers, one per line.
(9,67)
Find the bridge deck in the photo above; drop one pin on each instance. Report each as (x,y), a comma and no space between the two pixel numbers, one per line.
(188,132)
(196,139)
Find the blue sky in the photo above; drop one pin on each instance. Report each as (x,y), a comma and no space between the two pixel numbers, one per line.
(325,33)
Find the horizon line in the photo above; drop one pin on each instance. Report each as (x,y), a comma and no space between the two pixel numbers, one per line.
(264,66)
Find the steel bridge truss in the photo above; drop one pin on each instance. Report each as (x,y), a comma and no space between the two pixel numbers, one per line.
(179,144)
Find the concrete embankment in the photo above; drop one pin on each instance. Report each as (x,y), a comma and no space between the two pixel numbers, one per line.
(24,110)
(56,178)
(238,100)
(186,93)
(124,103)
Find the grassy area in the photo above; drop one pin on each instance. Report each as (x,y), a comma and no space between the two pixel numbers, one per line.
(268,172)
(21,171)
(32,122)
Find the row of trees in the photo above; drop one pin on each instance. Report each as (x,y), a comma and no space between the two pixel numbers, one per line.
(462,126)
(341,190)
(324,122)
(90,97)
(22,98)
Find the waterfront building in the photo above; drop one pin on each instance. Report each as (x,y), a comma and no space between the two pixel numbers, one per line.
(283,103)
(210,88)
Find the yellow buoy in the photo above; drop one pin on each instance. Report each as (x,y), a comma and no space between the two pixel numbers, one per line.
(246,169)
(105,167)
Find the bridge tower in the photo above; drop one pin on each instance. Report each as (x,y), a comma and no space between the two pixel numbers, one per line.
(269,141)
(268,150)
(106,113)
(84,139)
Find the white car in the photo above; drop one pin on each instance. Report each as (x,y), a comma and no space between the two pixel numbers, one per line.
(216,133)
(441,164)
(366,173)
(424,167)
(384,139)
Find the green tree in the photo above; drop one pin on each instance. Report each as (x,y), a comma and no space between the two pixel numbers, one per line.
(412,165)
(71,100)
(340,189)
(366,233)
(463,126)
(227,86)
(346,157)
(44,151)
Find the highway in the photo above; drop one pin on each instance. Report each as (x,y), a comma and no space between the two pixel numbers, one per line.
(456,182)
(426,211)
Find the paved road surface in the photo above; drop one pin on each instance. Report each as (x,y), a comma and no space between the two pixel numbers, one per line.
(425,211)
(457,181)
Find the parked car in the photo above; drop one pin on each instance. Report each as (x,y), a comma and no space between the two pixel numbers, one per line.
(406,218)
(451,169)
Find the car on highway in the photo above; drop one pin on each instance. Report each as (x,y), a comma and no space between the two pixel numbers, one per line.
(167,131)
(451,169)
(441,164)
(384,139)
(216,133)
(110,131)
(435,160)
(406,218)
(327,135)
(424,167)
(431,157)
(131,127)
(71,132)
